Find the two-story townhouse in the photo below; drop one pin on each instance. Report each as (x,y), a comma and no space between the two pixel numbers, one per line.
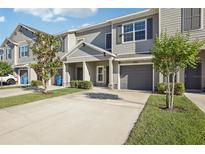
(192,21)
(17,52)
(115,53)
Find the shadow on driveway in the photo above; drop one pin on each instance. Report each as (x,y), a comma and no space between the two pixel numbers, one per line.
(102,96)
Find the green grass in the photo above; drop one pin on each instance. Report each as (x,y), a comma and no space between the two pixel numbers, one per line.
(158,126)
(27,98)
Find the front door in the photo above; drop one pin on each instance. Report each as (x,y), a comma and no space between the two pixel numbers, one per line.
(24,76)
(79,73)
(193,78)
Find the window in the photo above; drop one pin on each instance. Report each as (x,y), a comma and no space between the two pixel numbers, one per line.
(128,32)
(134,31)
(1,56)
(100,74)
(61,45)
(140,30)
(9,51)
(24,51)
(108,41)
(191,19)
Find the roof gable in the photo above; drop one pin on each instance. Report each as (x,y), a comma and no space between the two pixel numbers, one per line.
(84,49)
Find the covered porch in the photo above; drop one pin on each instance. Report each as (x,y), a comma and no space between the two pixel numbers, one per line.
(89,63)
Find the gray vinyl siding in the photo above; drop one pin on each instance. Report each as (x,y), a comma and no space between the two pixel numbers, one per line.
(27,59)
(22,36)
(135,47)
(171,22)
(170,19)
(86,53)
(95,36)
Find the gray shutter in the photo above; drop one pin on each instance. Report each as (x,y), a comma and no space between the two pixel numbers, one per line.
(19,53)
(119,34)
(149,28)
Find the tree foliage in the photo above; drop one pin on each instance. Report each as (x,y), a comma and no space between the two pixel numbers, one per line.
(5,68)
(172,54)
(44,50)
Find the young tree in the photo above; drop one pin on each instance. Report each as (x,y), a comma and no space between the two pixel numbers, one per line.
(174,53)
(44,50)
(5,68)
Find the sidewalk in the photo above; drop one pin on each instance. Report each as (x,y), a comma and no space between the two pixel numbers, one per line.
(198,99)
(21,91)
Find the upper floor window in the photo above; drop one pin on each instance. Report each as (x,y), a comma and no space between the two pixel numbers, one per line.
(191,19)
(1,56)
(23,51)
(108,41)
(9,52)
(134,31)
(61,45)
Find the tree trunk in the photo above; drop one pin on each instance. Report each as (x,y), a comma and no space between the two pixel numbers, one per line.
(45,87)
(169,91)
(167,94)
(172,95)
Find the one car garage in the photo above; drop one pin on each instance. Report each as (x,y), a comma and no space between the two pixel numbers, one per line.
(136,77)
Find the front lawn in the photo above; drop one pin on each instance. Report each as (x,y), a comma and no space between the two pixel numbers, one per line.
(159,126)
(27,98)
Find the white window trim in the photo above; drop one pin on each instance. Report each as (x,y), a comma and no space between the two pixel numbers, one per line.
(24,53)
(103,74)
(133,22)
(201,22)
(106,41)
(1,56)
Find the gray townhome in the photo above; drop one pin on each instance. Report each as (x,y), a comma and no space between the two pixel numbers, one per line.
(15,50)
(115,53)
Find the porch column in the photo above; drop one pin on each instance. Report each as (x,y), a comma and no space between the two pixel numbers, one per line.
(110,73)
(86,75)
(66,76)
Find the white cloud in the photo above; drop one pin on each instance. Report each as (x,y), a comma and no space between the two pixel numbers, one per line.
(56,15)
(2,18)
(85,25)
(79,13)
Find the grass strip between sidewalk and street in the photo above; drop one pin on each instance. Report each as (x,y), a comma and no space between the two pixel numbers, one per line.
(36,96)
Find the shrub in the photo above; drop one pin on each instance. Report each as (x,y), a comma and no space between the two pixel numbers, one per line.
(36,83)
(74,83)
(179,88)
(81,84)
(161,88)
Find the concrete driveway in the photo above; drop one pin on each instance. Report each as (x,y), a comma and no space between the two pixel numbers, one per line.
(99,116)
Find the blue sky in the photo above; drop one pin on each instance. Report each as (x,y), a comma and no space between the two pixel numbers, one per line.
(56,20)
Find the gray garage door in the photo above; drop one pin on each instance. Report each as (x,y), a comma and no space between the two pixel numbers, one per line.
(193,77)
(137,77)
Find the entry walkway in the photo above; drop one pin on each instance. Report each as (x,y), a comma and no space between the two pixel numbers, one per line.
(198,99)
